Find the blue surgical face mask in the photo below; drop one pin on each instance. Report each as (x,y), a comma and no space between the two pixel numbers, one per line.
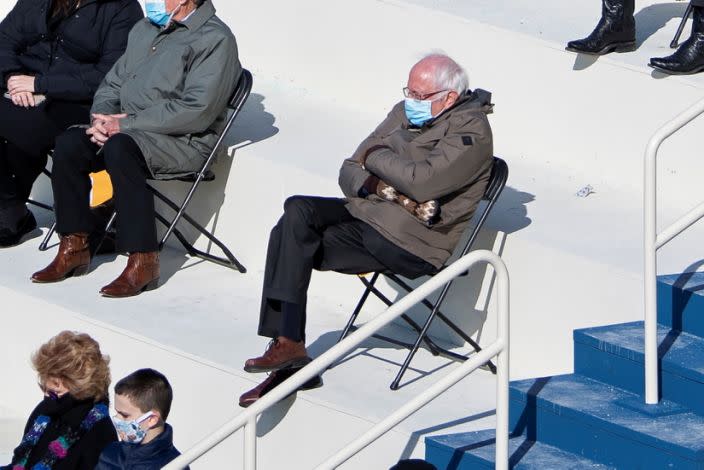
(131,431)
(156,12)
(418,112)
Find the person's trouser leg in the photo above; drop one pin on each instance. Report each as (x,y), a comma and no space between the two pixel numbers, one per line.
(294,244)
(75,157)
(319,233)
(134,203)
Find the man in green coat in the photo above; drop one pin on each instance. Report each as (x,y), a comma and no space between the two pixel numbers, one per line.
(411,188)
(156,115)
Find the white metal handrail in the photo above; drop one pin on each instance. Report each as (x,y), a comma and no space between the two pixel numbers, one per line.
(653,241)
(248,418)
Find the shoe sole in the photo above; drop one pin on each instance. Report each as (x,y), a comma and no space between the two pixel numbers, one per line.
(629,46)
(673,72)
(75,272)
(317,382)
(291,364)
(151,285)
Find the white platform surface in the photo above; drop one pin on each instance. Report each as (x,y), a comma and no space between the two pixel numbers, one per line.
(326,72)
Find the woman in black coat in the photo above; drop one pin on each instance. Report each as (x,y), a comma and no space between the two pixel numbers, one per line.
(69,428)
(53,56)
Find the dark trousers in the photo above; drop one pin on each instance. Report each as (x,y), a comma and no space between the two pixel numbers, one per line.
(698,3)
(319,233)
(26,136)
(74,158)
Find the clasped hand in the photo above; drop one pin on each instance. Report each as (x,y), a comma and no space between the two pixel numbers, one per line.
(21,89)
(103,127)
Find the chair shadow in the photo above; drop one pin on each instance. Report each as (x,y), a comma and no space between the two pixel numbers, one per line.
(509,215)
(468,301)
(253,125)
(649,20)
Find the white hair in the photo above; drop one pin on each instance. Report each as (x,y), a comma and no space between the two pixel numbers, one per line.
(449,74)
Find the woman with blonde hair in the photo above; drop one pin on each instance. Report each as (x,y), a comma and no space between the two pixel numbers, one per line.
(71,425)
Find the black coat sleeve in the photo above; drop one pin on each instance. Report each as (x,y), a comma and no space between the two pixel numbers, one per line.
(83,81)
(12,41)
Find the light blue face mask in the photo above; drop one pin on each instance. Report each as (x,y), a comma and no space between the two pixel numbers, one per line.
(131,431)
(418,112)
(156,12)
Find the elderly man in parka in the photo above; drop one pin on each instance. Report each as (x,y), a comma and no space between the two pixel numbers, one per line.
(411,188)
(157,114)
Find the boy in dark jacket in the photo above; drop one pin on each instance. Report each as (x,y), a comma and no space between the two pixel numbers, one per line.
(142,403)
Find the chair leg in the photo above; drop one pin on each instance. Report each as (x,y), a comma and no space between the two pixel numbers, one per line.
(230,261)
(108,226)
(358,308)
(43,246)
(675,41)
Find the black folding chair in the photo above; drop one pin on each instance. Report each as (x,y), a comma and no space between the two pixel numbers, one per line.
(242,90)
(41,204)
(497,181)
(687,12)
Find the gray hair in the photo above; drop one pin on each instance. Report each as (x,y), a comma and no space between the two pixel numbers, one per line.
(449,74)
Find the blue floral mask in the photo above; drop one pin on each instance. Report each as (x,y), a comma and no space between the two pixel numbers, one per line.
(131,431)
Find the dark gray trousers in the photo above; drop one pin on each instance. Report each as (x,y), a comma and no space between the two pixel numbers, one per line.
(319,233)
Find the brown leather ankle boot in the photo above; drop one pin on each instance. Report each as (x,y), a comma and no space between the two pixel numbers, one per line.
(73,259)
(140,274)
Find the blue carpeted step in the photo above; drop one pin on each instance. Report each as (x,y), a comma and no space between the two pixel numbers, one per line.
(614,354)
(681,302)
(476,450)
(606,424)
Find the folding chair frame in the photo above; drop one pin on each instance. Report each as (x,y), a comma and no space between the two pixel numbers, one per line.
(497,182)
(675,41)
(240,95)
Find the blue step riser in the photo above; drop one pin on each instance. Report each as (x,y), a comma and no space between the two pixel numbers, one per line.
(628,374)
(575,436)
(445,459)
(681,310)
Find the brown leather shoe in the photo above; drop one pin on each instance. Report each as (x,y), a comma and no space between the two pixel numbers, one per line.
(140,274)
(274,380)
(73,259)
(280,354)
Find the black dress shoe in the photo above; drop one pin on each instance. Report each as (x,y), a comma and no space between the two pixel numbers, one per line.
(615,32)
(10,237)
(689,57)
(275,379)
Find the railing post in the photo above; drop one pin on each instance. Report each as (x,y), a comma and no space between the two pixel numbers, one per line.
(650,246)
(650,271)
(502,370)
(250,444)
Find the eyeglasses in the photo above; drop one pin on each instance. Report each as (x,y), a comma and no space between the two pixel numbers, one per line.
(408,93)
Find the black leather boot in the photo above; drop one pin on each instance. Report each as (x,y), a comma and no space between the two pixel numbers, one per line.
(689,57)
(615,32)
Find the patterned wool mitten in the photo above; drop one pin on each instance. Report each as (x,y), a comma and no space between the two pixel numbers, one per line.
(425,212)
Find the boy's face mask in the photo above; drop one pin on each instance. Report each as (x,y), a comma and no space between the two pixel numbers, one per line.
(131,431)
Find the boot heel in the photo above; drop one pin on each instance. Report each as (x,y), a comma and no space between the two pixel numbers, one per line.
(626,47)
(152,285)
(81,270)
